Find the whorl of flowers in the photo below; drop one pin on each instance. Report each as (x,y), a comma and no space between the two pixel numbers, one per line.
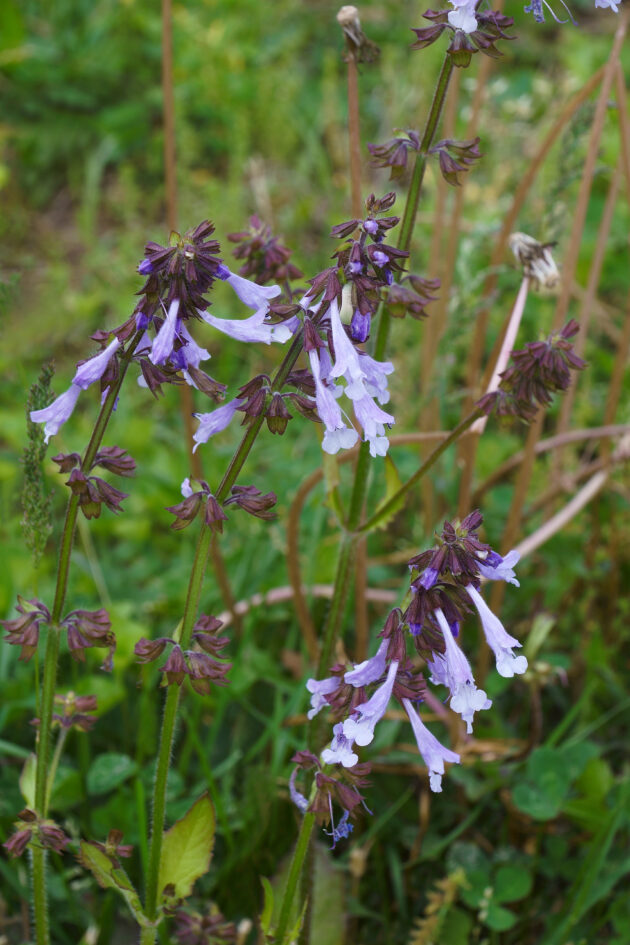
(537,371)
(444,589)
(473,31)
(178,279)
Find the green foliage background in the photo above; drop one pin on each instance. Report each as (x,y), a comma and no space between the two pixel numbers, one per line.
(533,846)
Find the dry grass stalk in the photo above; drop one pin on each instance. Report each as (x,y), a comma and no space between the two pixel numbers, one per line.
(512,526)
(467,449)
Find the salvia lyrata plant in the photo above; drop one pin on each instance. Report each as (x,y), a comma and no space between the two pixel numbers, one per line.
(331,332)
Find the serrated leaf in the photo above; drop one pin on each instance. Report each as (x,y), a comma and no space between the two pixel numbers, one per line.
(27,780)
(393,485)
(498,918)
(108,771)
(110,876)
(511,883)
(187,848)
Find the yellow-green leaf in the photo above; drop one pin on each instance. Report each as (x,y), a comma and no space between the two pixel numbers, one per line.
(27,780)
(393,484)
(187,848)
(110,876)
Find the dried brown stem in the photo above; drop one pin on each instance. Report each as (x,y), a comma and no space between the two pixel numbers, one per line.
(475,381)
(543,446)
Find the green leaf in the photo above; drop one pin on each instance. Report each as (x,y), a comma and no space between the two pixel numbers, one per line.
(393,484)
(111,876)
(511,883)
(596,780)
(498,918)
(267,913)
(187,848)
(455,928)
(108,771)
(542,792)
(27,780)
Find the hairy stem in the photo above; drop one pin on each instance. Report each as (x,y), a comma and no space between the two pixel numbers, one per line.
(293,879)
(51,658)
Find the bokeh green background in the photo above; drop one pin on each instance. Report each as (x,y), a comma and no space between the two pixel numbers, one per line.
(260,127)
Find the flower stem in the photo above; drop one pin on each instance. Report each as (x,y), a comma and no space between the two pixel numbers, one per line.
(191,607)
(51,658)
(430,461)
(295,871)
(54,764)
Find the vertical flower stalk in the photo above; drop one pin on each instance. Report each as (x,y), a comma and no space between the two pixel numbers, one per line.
(51,656)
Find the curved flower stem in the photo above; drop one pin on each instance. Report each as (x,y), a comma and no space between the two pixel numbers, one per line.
(191,607)
(51,657)
(430,461)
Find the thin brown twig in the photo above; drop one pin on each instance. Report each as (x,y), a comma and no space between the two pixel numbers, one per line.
(543,446)
(586,306)
(512,526)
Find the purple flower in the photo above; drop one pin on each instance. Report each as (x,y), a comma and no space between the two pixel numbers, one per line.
(145,267)
(375,377)
(92,370)
(613,4)
(496,568)
(56,414)
(498,639)
(429,578)
(433,753)
(380,258)
(319,689)
(369,670)
(340,751)
(371,227)
(453,670)
(253,295)
(360,326)
(214,421)
(165,338)
(343,829)
(361,729)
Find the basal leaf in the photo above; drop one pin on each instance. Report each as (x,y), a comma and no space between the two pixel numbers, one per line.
(187,848)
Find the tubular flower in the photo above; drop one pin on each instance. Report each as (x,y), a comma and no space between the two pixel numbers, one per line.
(452,669)
(498,639)
(433,753)
(361,729)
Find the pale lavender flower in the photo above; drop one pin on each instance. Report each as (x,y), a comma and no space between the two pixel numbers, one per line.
(251,330)
(92,370)
(612,4)
(165,339)
(433,753)
(300,801)
(338,435)
(371,227)
(499,640)
(187,489)
(347,362)
(56,414)
(375,377)
(496,568)
(369,670)
(360,726)
(373,420)
(463,16)
(214,421)
(453,670)
(319,688)
(250,293)
(340,751)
